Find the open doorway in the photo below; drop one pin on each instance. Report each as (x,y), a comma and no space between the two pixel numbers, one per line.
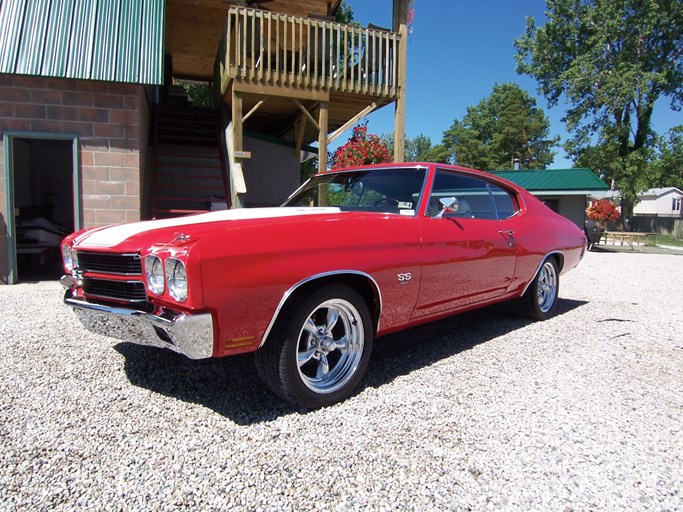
(42,172)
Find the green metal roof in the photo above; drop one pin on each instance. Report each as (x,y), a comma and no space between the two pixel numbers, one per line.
(114,40)
(555,180)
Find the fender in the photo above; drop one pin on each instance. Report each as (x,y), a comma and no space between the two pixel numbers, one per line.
(560,265)
(298,285)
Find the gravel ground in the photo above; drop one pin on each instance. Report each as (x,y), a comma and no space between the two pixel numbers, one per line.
(482,411)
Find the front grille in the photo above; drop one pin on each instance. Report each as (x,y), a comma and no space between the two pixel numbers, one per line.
(107,263)
(129,291)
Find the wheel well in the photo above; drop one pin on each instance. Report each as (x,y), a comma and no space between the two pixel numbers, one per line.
(559,260)
(362,284)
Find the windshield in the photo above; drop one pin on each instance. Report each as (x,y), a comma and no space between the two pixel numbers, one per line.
(374,190)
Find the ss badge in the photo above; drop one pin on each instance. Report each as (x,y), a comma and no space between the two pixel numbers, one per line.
(404,278)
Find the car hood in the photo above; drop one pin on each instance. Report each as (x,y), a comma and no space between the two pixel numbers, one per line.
(191,226)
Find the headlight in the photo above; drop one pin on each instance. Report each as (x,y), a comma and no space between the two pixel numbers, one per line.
(155,275)
(69,258)
(177,279)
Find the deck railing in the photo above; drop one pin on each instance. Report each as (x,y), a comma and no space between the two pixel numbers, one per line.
(273,49)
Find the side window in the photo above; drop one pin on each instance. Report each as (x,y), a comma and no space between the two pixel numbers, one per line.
(506,204)
(476,198)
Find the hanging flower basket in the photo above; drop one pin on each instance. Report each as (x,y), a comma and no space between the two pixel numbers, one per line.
(602,212)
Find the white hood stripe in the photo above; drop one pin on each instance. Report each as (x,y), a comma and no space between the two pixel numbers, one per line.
(114,235)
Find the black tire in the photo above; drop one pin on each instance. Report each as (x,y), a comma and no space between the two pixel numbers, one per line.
(540,298)
(319,348)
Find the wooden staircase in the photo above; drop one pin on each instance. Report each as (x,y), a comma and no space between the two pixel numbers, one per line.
(189,174)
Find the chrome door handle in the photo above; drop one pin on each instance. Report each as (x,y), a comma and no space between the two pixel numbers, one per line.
(509,235)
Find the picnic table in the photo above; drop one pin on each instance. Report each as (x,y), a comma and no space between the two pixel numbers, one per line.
(629,238)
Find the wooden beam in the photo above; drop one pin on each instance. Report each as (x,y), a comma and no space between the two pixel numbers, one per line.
(322,136)
(237,136)
(300,137)
(281,91)
(236,176)
(370,108)
(256,107)
(306,113)
(400,25)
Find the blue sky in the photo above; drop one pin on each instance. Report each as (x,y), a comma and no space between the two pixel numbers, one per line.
(457,51)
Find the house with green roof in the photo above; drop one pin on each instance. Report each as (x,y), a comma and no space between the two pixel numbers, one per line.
(565,191)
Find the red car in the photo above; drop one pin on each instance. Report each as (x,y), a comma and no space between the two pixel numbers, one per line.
(353,254)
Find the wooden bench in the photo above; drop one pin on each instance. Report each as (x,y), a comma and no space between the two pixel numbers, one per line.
(631,239)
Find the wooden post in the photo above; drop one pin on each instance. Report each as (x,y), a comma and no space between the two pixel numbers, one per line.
(322,150)
(322,136)
(400,25)
(237,141)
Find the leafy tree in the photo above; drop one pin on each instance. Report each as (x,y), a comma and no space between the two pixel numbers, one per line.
(199,93)
(670,161)
(419,149)
(611,60)
(361,149)
(504,127)
(438,153)
(308,168)
(344,13)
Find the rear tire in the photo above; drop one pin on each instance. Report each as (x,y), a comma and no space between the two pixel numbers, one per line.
(540,299)
(319,348)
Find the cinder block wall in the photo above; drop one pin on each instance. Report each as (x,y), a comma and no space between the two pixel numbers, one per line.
(112,122)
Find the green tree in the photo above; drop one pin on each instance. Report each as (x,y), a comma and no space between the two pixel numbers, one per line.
(419,149)
(502,128)
(670,160)
(611,60)
(199,93)
(438,153)
(344,13)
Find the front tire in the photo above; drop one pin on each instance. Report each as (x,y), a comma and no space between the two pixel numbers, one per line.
(540,299)
(319,348)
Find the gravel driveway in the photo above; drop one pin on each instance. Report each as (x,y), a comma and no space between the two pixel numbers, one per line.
(482,411)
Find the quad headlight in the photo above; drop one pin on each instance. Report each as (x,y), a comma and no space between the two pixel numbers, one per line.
(154,273)
(68,257)
(176,277)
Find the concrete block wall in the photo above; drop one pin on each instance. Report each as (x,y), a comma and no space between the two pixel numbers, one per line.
(107,118)
(112,123)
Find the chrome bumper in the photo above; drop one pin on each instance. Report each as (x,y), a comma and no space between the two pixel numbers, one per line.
(190,335)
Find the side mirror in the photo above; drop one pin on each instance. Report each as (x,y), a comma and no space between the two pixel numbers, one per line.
(447,205)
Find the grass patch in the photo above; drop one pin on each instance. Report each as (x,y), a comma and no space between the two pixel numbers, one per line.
(669,240)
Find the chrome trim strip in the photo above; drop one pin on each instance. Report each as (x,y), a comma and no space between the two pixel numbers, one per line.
(190,335)
(289,292)
(539,268)
(112,297)
(130,254)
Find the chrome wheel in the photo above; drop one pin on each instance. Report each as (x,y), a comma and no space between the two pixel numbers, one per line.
(320,347)
(330,346)
(540,298)
(546,291)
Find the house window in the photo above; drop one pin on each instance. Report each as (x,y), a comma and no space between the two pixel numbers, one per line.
(676,204)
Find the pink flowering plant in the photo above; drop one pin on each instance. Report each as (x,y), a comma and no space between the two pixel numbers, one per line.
(603,211)
(361,149)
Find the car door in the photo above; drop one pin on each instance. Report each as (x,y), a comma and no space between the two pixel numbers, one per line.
(468,254)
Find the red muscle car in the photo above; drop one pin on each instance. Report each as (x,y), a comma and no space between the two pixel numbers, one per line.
(353,254)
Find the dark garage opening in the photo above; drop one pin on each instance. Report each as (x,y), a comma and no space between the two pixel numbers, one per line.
(44,205)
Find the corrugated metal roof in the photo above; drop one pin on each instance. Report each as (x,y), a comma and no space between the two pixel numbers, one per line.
(554,179)
(114,40)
